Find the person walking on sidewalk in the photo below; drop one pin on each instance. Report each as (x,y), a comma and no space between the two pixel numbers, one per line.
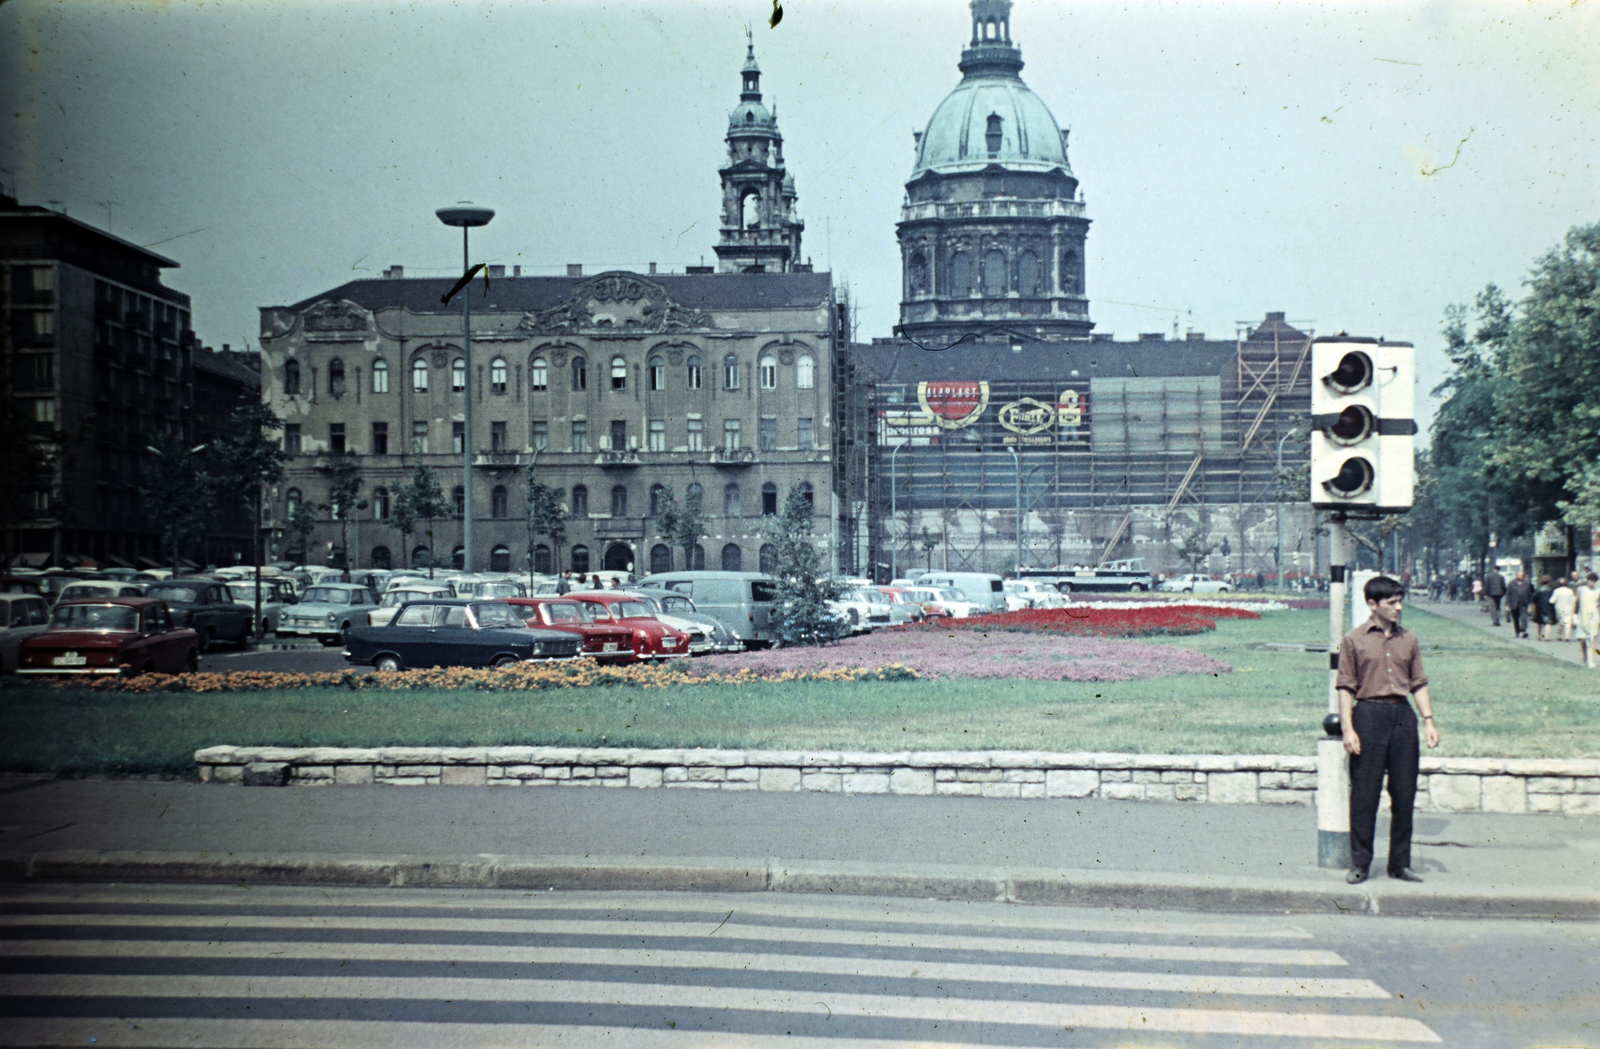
(1380,665)
(1564,600)
(1588,621)
(1494,588)
(1519,595)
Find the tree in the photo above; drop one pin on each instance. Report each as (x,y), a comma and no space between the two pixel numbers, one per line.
(403,515)
(1196,546)
(804,588)
(547,515)
(179,488)
(344,496)
(682,524)
(427,501)
(300,523)
(248,459)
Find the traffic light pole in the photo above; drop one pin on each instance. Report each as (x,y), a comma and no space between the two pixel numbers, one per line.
(1333,776)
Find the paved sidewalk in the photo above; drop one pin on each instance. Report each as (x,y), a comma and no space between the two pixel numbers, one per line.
(1088,852)
(1469,613)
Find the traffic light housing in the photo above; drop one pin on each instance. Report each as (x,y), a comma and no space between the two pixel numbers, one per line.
(1363,425)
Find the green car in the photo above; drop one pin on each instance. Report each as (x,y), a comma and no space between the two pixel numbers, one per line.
(327,612)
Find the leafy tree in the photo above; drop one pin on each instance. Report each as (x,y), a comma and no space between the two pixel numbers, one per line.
(682,524)
(929,542)
(547,515)
(179,488)
(344,496)
(427,501)
(1196,546)
(247,460)
(403,516)
(300,523)
(804,588)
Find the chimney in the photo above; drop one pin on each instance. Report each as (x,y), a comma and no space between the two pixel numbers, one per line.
(497,272)
(226,348)
(574,269)
(1278,316)
(652,268)
(516,271)
(395,272)
(1195,336)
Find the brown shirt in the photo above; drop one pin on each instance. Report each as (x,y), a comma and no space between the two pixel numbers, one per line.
(1371,664)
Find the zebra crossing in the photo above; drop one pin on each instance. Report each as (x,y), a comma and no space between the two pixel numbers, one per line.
(262,968)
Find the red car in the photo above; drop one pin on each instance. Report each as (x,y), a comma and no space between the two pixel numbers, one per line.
(607,643)
(112,635)
(652,639)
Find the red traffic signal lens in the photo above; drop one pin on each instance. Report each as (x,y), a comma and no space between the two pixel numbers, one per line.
(1354,478)
(1354,425)
(1354,373)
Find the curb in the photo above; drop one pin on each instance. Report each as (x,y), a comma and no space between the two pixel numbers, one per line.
(1023,885)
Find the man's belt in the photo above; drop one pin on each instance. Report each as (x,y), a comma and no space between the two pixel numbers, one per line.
(1382,699)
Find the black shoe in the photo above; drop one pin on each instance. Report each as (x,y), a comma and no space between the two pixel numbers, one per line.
(1405,874)
(1356,876)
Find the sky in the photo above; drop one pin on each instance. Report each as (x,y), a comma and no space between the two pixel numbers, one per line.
(1359,167)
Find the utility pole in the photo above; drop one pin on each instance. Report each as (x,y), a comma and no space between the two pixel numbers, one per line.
(1333,774)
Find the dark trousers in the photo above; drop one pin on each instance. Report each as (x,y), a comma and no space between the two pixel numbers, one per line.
(1494,606)
(1519,619)
(1388,733)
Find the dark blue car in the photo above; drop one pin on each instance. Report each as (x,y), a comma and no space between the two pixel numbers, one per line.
(439,632)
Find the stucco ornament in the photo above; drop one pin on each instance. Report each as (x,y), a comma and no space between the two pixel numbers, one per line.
(616,302)
(336,316)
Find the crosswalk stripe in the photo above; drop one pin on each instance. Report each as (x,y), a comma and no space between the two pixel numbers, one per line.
(633,930)
(1265,986)
(760,1001)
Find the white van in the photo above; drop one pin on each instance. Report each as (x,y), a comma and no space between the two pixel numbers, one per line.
(981,588)
(743,600)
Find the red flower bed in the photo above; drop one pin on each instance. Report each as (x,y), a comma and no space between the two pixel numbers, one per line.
(1156,621)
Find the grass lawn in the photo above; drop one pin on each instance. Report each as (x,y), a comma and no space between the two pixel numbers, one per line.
(1492,698)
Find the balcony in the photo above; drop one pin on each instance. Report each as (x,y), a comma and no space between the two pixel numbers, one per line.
(137,320)
(500,460)
(733,457)
(628,458)
(166,330)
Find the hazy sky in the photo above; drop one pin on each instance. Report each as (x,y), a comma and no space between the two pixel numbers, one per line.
(1359,167)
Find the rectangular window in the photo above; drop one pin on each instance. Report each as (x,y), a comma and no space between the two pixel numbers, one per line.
(380,438)
(730,435)
(694,373)
(44,278)
(730,372)
(44,410)
(805,436)
(619,374)
(541,435)
(291,438)
(619,501)
(580,435)
(769,434)
(697,435)
(619,435)
(580,501)
(419,438)
(769,374)
(658,374)
(539,375)
(497,437)
(658,435)
(44,323)
(458,437)
(336,438)
(380,376)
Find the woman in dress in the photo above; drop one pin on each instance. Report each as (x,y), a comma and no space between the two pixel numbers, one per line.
(1588,620)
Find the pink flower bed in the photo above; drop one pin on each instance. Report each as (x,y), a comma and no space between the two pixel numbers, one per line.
(969,654)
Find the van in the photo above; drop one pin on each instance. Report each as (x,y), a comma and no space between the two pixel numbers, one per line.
(743,600)
(981,588)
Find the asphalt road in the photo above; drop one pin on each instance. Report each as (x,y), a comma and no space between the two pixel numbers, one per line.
(290,655)
(237,966)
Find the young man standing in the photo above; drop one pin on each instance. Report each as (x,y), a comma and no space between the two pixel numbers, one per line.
(1380,665)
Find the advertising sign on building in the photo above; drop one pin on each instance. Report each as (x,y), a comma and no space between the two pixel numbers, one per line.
(954,405)
(1028,421)
(917,429)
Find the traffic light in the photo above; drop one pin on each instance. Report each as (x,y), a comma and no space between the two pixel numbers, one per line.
(1362,424)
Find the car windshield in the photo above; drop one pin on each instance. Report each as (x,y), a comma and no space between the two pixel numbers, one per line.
(630,610)
(677,605)
(951,595)
(501,590)
(495,615)
(95,617)
(327,595)
(73,593)
(560,612)
(174,593)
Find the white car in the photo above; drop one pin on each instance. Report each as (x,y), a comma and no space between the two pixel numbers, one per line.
(1194,584)
(865,610)
(953,602)
(1039,594)
(391,602)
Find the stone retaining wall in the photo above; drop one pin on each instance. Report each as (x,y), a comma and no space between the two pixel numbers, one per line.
(1445,785)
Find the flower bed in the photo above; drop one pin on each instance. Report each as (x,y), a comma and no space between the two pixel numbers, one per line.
(1112,619)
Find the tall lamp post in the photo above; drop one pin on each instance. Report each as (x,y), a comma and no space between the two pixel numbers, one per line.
(1277,510)
(466,215)
(1017,464)
(894,546)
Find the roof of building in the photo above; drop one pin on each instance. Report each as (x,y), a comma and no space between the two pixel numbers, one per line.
(13,212)
(701,291)
(229,366)
(1086,359)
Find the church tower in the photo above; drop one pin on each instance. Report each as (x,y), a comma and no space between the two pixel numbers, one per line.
(760,232)
(992,230)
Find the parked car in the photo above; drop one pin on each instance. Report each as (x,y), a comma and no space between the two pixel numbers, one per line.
(439,632)
(207,607)
(389,607)
(860,612)
(652,639)
(328,612)
(114,635)
(11,584)
(273,602)
(21,617)
(1194,584)
(902,610)
(606,642)
(743,600)
(941,603)
(1037,594)
(984,590)
(679,611)
(95,588)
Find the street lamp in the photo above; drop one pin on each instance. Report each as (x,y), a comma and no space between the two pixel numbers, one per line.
(466,215)
(894,548)
(1017,464)
(1277,509)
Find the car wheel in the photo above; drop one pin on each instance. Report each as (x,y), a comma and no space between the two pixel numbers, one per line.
(388,664)
(247,636)
(1136,588)
(191,662)
(1188,589)
(505,661)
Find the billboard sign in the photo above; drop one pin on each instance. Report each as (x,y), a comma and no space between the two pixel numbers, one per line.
(954,405)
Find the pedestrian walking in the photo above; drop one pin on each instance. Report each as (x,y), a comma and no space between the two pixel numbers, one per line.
(1544,613)
(1564,602)
(1477,592)
(1380,666)
(1588,621)
(1494,588)
(1519,595)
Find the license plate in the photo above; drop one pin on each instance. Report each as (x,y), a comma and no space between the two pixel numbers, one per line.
(71,659)
(670,642)
(609,646)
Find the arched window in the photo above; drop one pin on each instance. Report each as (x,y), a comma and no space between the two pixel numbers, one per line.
(497,505)
(1069,272)
(336,377)
(500,559)
(380,557)
(419,557)
(619,374)
(660,558)
(961,273)
(732,558)
(658,374)
(291,501)
(541,560)
(419,376)
(768,558)
(694,373)
(291,378)
(497,375)
(1028,274)
(769,499)
(538,375)
(769,373)
(580,559)
(580,373)
(580,500)
(730,501)
(697,558)
(657,492)
(805,371)
(458,558)
(730,372)
(458,374)
(694,497)
(992,134)
(917,273)
(380,504)
(750,207)
(808,495)
(994,273)
(619,558)
(380,376)
(619,500)
(458,496)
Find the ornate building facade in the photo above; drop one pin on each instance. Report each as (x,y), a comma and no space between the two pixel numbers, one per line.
(760,231)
